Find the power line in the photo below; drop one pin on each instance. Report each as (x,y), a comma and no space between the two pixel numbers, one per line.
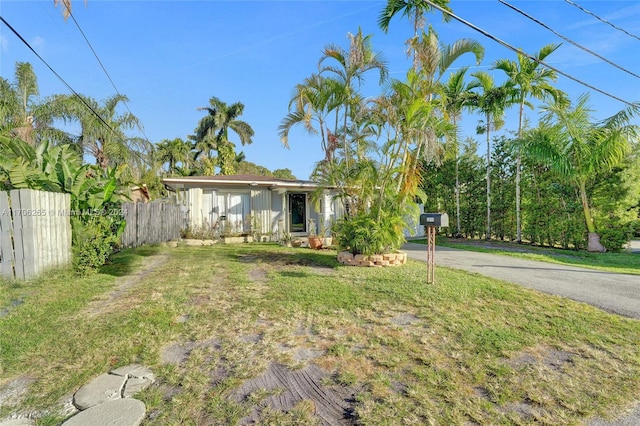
(568,39)
(105,71)
(519,51)
(57,75)
(602,20)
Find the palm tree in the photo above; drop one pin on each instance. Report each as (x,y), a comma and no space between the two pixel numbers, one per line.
(213,131)
(102,134)
(491,102)
(16,104)
(310,106)
(414,10)
(570,144)
(352,65)
(433,59)
(457,96)
(530,79)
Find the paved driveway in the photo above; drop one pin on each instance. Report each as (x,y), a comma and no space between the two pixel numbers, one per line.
(617,293)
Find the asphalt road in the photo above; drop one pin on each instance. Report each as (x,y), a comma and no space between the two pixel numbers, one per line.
(617,293)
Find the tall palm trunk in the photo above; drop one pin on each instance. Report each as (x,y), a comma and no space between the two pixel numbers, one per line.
(488,122)
(593,243)
(457,172)
(519,177)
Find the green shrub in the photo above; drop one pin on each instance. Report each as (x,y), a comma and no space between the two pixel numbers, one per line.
(364,234)
(95,238)
(615,233)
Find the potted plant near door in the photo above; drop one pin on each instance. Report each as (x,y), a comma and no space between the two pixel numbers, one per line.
(324,233)
(315,242)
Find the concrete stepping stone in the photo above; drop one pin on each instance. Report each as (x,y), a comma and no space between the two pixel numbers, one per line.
(121,412)
(105,387)
(135,385)
(17,422)
(136,371)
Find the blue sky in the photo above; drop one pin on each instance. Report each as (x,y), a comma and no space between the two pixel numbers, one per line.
(170,57)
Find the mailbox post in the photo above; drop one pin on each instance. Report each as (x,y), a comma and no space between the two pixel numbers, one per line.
(431,221)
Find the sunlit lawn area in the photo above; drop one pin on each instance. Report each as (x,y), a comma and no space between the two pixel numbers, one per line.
(467,350)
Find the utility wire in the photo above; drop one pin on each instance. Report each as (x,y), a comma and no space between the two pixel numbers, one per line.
(57,75)
(602,20)
(568,39)
(105,71)
(519,51)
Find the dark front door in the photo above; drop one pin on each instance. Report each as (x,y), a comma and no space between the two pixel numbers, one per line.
(297,213)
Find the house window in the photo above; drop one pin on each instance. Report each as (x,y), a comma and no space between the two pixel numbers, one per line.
(297,213)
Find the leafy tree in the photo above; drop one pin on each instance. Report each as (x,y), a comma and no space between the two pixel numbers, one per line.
(212,132)
(349,72)
(529,79)
(311,104)
(249,168)
(577,149)
(283,174)
(17,104)
(491,102)
(427,100)
(458,96)
(471,193)
(502,194)
(93,192)
(173,152)
(103,129)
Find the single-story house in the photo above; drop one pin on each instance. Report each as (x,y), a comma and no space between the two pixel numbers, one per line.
(242,203)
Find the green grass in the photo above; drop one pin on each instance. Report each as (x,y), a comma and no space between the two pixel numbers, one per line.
(467,349)
(622,263)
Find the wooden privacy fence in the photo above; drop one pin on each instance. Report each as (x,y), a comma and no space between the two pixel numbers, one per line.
(151,223)
(35,232)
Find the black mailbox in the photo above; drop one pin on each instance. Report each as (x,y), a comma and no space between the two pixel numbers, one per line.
(434,219)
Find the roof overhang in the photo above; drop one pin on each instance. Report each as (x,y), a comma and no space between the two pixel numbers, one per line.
(235,181)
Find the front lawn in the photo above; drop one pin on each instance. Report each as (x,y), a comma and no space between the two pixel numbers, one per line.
(375,345)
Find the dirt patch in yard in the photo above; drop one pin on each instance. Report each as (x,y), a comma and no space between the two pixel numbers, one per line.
(332,405)
(115,300)
(541,355)
(14,390)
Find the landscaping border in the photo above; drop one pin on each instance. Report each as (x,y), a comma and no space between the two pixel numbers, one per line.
(386,259)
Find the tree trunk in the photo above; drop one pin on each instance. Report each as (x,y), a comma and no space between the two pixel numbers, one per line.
(25,132)
(518,218)
(594,244)
(519,177)
(488,236)
(458,197)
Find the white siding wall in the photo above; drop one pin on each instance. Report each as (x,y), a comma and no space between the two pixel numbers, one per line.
(194,203)
(261,209)
(278,224)
(268,207)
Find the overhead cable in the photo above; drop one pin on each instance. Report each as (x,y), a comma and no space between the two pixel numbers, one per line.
(520,51)
(579,46)
(57,75)
(105,71)
(602,20)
